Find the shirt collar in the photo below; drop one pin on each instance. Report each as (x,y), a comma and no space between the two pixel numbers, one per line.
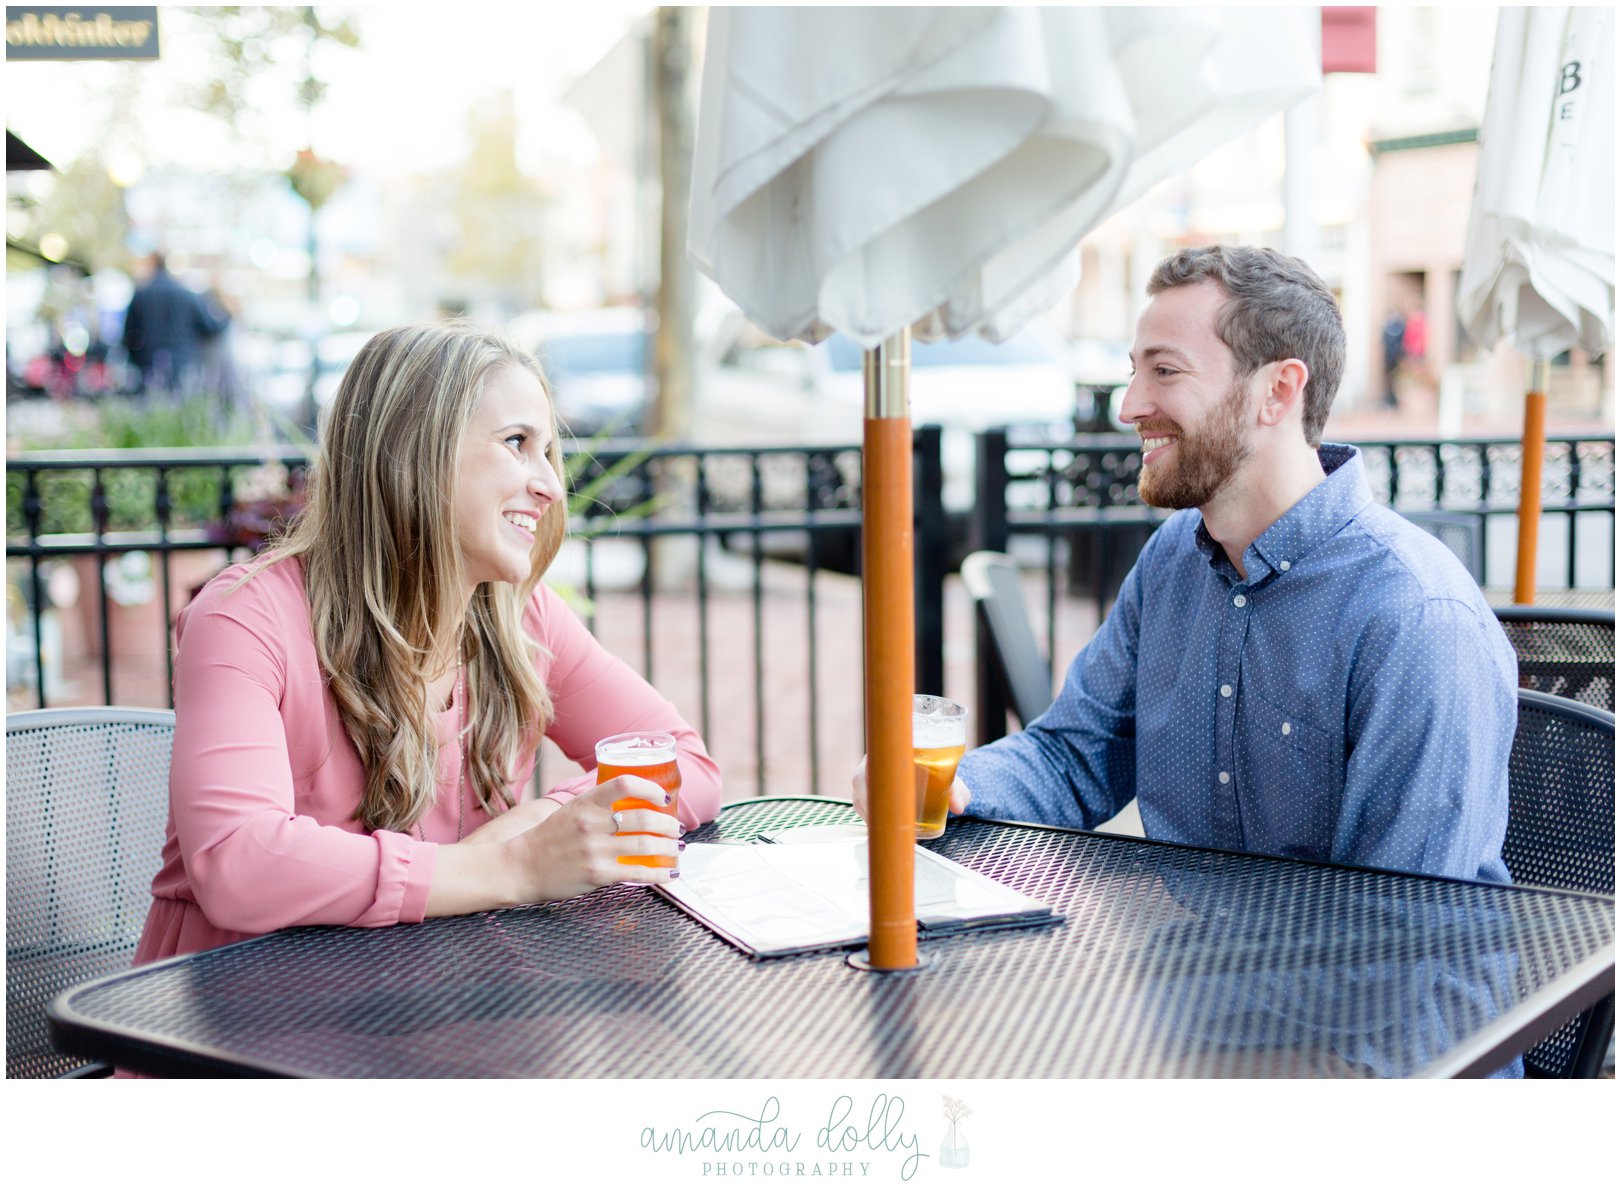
(1322,512)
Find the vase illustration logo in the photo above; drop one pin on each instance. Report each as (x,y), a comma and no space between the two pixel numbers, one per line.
(954,1146)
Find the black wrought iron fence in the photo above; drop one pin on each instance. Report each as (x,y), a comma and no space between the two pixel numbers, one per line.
(755,545)
(1070,508)
(95,532)
(712,570)
(724,574)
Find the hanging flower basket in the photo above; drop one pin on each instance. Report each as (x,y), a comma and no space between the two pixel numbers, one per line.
(268,500)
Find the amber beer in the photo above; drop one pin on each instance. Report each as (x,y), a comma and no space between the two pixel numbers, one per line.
(650,755)
(939,737)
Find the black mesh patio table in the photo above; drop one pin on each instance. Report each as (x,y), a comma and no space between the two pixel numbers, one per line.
(1171,961)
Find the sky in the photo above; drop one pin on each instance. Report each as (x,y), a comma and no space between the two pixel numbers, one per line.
(398,105)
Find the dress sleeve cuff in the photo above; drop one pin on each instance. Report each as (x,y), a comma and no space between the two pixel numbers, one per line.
(404,878)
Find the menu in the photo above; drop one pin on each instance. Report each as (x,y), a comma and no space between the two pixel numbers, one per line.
(800,890)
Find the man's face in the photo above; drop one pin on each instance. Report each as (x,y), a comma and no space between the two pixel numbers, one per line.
(1194,416)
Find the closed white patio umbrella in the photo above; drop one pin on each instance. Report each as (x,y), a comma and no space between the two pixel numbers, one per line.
(876,170)
(1539,261)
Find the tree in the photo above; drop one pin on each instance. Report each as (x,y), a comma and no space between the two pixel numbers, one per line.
(86,207)
(672,354)
(500,212)
(247,43)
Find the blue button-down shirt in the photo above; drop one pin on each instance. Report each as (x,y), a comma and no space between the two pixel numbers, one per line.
(1350,699)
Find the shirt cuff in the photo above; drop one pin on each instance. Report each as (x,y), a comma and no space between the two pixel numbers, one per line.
(404,878)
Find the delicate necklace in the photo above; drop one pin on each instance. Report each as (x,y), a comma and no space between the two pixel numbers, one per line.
(461,771)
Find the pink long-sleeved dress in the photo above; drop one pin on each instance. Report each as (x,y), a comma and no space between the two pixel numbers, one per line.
(264,781)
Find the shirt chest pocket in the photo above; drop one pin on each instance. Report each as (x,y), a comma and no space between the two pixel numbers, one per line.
(1290,775)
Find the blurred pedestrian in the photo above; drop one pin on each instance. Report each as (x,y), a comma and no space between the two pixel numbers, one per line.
(217,372)
(164,328)
(1393,335)
(1415,339)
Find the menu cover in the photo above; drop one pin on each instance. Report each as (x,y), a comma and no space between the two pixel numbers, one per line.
(801,890)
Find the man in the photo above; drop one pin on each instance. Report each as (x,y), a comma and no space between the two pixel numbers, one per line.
(1290,668)
(1390,338)
(164,328)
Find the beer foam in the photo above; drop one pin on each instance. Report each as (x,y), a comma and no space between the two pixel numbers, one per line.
(938,732)
(635,753)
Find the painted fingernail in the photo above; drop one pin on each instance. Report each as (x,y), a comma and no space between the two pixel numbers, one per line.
(680,846)
(675,873)
(682,828)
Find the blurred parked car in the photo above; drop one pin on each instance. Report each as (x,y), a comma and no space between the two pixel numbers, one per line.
(754,389)
(278,369)
(757,389)
(597,362)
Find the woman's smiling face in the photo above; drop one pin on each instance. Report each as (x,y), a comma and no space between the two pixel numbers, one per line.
(504,479)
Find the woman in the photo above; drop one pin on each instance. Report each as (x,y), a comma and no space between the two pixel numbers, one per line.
(357,711)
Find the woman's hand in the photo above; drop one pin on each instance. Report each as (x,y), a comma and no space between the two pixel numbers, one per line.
(571,849)
(960,796)
(578,848)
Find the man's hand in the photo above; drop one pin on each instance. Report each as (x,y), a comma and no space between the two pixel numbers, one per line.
(960,795)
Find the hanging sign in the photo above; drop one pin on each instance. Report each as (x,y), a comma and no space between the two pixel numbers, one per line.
(81,33)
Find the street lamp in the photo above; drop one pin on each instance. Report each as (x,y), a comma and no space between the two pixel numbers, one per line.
(315,180)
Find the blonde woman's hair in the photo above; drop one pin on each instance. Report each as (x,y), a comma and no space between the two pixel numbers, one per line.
(383,572)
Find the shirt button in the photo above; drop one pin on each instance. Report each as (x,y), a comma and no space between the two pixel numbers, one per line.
(1283,565)
(1239,600)
(1227,692)
(1223,777)
(1285,728)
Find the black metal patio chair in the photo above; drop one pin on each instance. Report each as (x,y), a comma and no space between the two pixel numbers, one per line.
(87,799)
(1005,645)
(1561,834)
(1461,532)
(1569,651)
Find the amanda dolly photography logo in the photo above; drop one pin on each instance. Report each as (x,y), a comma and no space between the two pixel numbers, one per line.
(844,1138)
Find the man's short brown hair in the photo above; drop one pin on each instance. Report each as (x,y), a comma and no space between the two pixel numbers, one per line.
(1276,308)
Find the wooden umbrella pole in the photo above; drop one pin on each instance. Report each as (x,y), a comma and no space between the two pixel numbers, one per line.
(1532,441)
(886,569)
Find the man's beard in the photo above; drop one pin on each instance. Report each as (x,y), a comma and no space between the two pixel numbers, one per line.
(1205,459)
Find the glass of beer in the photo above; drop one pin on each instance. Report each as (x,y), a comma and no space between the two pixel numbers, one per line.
(939,737)
(650,755)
